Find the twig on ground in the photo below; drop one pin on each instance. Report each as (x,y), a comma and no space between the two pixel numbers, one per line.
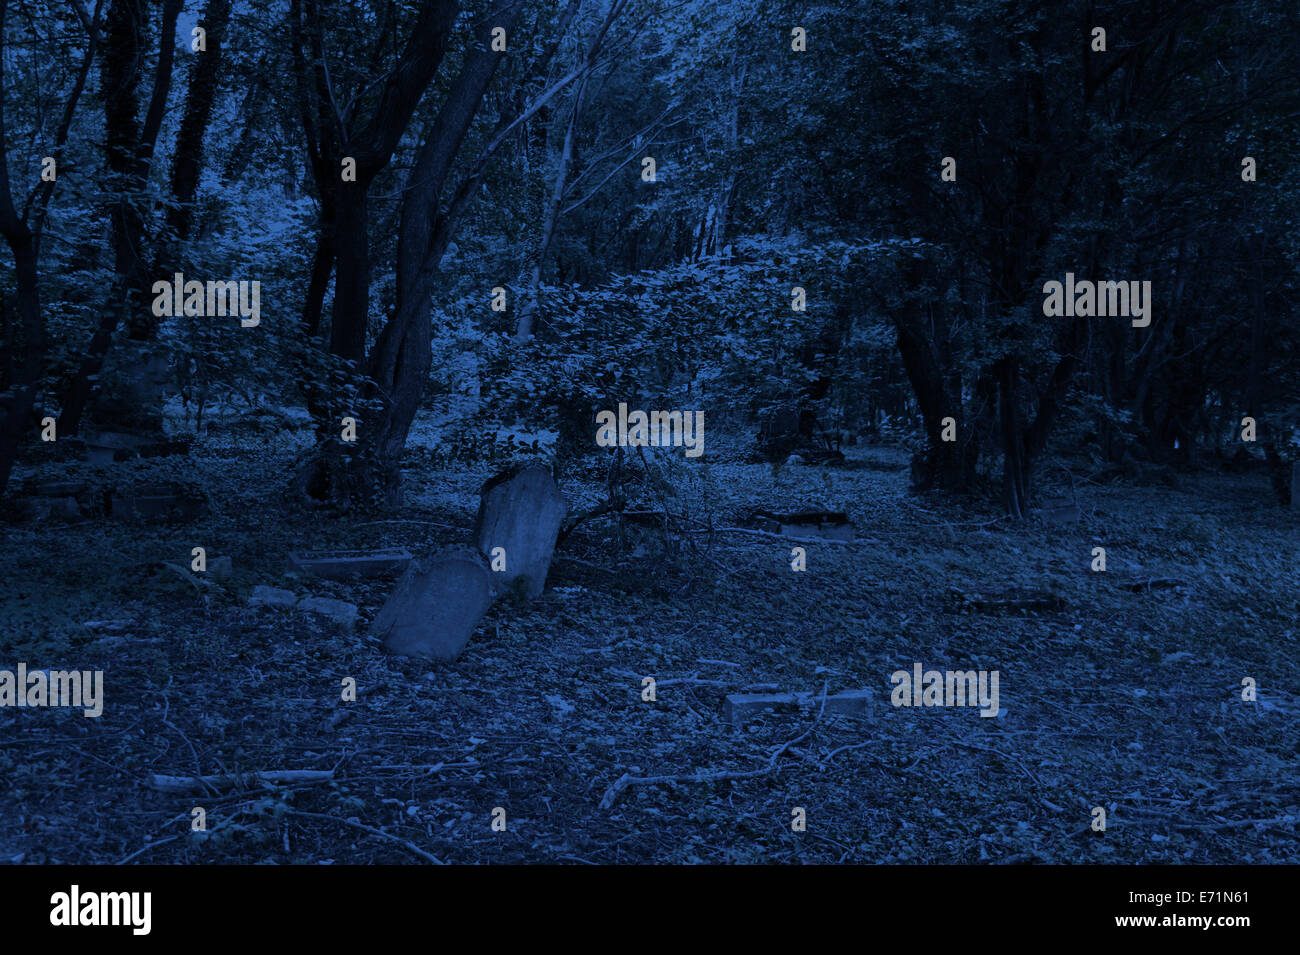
(624,781)
(411,846)
(185,784)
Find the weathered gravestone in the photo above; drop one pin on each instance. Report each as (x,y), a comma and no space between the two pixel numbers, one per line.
(520,512)
(435,607)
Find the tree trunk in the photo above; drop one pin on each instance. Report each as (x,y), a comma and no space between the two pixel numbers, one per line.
(16,423)
(188,163)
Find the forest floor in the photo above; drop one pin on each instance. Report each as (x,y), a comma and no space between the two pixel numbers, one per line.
(1131,701)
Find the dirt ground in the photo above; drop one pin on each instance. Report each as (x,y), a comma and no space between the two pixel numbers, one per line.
(1121,699)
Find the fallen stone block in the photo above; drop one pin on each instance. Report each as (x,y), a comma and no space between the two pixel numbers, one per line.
(741,707)
(519,519)
(349,564)
(340,613)
(264,596)
(433,611)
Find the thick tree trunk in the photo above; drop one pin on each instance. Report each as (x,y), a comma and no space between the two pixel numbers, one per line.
(17,424)
(128,153)
(188,163)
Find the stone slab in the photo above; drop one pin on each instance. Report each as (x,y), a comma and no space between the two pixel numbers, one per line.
(349,564)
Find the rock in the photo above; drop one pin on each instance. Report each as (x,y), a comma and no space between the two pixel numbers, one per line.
(348,564)
(341,613)
(521,511)
(743,706)
(795,459)
(264,596)
(435,607)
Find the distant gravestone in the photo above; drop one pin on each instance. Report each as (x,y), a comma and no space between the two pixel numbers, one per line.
(435,607)
(347,564)
(520,512)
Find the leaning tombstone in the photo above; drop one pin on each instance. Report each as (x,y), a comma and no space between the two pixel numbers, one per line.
(519,518)
(435,607)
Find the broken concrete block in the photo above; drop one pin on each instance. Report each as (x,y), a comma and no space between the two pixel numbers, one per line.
(435,607)
(264,596)
(340,613)
(741,707)
(519,519)
(349,564)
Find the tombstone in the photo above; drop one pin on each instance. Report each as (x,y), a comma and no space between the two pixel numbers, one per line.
(349,564)
(521,511)
(435,607)
(1295,484)
(165,501)
(779,434)
(132,387)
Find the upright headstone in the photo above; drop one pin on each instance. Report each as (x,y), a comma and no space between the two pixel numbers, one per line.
(519,518)
(435,607)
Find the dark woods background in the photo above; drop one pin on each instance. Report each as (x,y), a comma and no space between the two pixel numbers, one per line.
(477,169)
(461,247)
